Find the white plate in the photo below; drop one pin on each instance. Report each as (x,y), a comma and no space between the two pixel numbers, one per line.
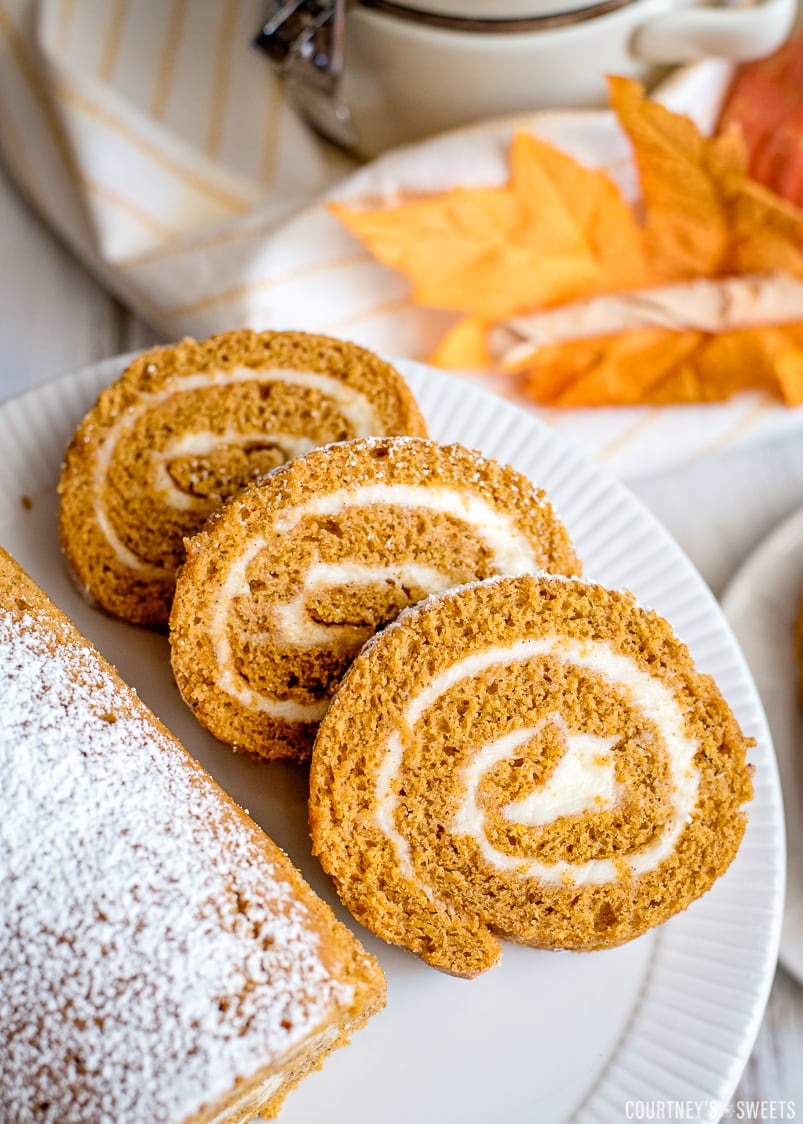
(553,1037)
(761,604)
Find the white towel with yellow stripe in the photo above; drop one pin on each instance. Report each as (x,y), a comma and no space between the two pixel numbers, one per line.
(157,143)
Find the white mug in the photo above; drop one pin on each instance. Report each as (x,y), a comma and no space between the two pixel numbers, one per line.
(412,69)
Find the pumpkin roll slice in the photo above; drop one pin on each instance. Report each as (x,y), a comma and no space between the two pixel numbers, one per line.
(185,427)
(527,758)
(288,580)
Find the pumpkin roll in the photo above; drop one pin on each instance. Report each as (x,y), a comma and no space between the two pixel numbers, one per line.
(527,758)
(288,580)
(185,427)
(162,959)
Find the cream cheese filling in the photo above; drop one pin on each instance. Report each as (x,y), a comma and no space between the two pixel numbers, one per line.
(583,780)
(251,1100)
(513,554)
(256,1099)
(228,679)
(294,625)
(204,442)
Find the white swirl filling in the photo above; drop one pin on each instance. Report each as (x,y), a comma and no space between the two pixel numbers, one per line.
(203,443)
(294,625)
(583,780)
(257,1098)
(353,405)
(511,553)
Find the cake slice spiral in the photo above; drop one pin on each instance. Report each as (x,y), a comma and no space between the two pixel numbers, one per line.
(529,758)
(288,580)
(185,427)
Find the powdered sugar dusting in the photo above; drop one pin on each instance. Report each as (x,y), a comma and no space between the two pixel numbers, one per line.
(143,968)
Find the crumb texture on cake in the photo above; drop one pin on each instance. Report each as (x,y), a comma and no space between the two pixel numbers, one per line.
(185,427)
(528,758)
(287,581)
(161,959)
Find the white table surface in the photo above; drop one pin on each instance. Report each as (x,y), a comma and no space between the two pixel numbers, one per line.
(54,319)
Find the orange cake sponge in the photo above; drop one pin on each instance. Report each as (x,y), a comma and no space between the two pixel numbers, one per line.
(287,581)
(185,427)
(162,960)
(530,758)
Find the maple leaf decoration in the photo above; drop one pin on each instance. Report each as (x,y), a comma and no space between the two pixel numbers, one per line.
(556,231)
(559,233)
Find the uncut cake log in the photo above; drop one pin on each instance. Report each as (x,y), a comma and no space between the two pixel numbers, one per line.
(161,960)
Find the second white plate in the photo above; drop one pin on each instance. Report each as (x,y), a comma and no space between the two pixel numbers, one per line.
(761,604)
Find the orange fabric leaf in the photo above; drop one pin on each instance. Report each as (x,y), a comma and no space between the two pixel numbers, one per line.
(468,251)
(789,367)
(464,347)
(617,370)
(608,223)
(686,224)
(704,215)
(766,103)
(766,233)
(555,232)
(661,366)
(559,232)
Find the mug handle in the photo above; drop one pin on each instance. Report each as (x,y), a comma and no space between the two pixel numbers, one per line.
(732,33)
